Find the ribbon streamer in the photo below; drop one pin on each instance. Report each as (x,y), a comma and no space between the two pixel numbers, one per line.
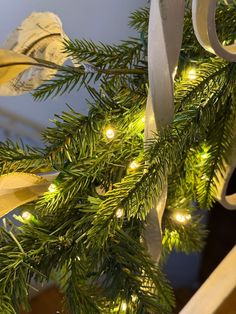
(18,188)
(164,44)
(203,15)
(12,64)
(39,36)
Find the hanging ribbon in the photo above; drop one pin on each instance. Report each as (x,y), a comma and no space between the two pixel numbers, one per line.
(40,36)
(164,43)
(203,14)
(18,188)
(12,64)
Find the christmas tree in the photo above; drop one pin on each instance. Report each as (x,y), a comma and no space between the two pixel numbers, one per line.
(87,232)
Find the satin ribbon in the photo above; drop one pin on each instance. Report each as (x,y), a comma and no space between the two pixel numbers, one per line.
(164,43)
(203,15)
(39,36)
(12,64)
(18,188)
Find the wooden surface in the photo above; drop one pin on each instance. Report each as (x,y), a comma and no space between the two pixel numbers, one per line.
(215,291)
(47,302)
(229,305)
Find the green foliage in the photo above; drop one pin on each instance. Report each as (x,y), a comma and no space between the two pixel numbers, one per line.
(86,234)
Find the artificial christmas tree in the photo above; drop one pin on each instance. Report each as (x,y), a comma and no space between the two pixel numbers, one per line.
(88,232)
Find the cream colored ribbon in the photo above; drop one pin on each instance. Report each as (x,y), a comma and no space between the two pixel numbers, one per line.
(39,36)
(203,14)
(18,188)
(12,64)
(164,44)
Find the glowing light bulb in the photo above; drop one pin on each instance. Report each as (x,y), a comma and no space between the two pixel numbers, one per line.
(27,216)
(188,216)
(134,298)
(204,155)
(143,119)
(119,212)
(192,74)
(182,217)
(52,188)
(133,165)
(110,133)
(123,306)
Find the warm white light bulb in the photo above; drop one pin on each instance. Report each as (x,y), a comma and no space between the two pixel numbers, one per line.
(27,216)
(188,216)
(192,75)
(205,155)
(143,119)
(123,306)
(134,298)
(119,212)
(133,165)
(180,218)
(110,133)
(52,188)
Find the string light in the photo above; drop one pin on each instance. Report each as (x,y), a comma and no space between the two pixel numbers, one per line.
(133,165)
(182,217)
(143,119)
(123,306)
(192,74)
(110,133)
(134,298)
(119,212)
(204,154)
(52,188)
(27,216)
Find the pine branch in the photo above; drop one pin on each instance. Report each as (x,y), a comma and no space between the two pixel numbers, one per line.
(126,54)
(139,20)
(210,76)
(186,238)
(16,157)
(70,77)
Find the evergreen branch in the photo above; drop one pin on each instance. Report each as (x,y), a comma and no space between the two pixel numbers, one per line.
(220,142)
(186,238)
(104,56)
(16,157)
(78,297)
(134,193)
(70,77)
(139,20)
(210,76)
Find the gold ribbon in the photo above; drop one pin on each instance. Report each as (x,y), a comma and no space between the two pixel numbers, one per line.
(12,64)
(18,188)
(39,36)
